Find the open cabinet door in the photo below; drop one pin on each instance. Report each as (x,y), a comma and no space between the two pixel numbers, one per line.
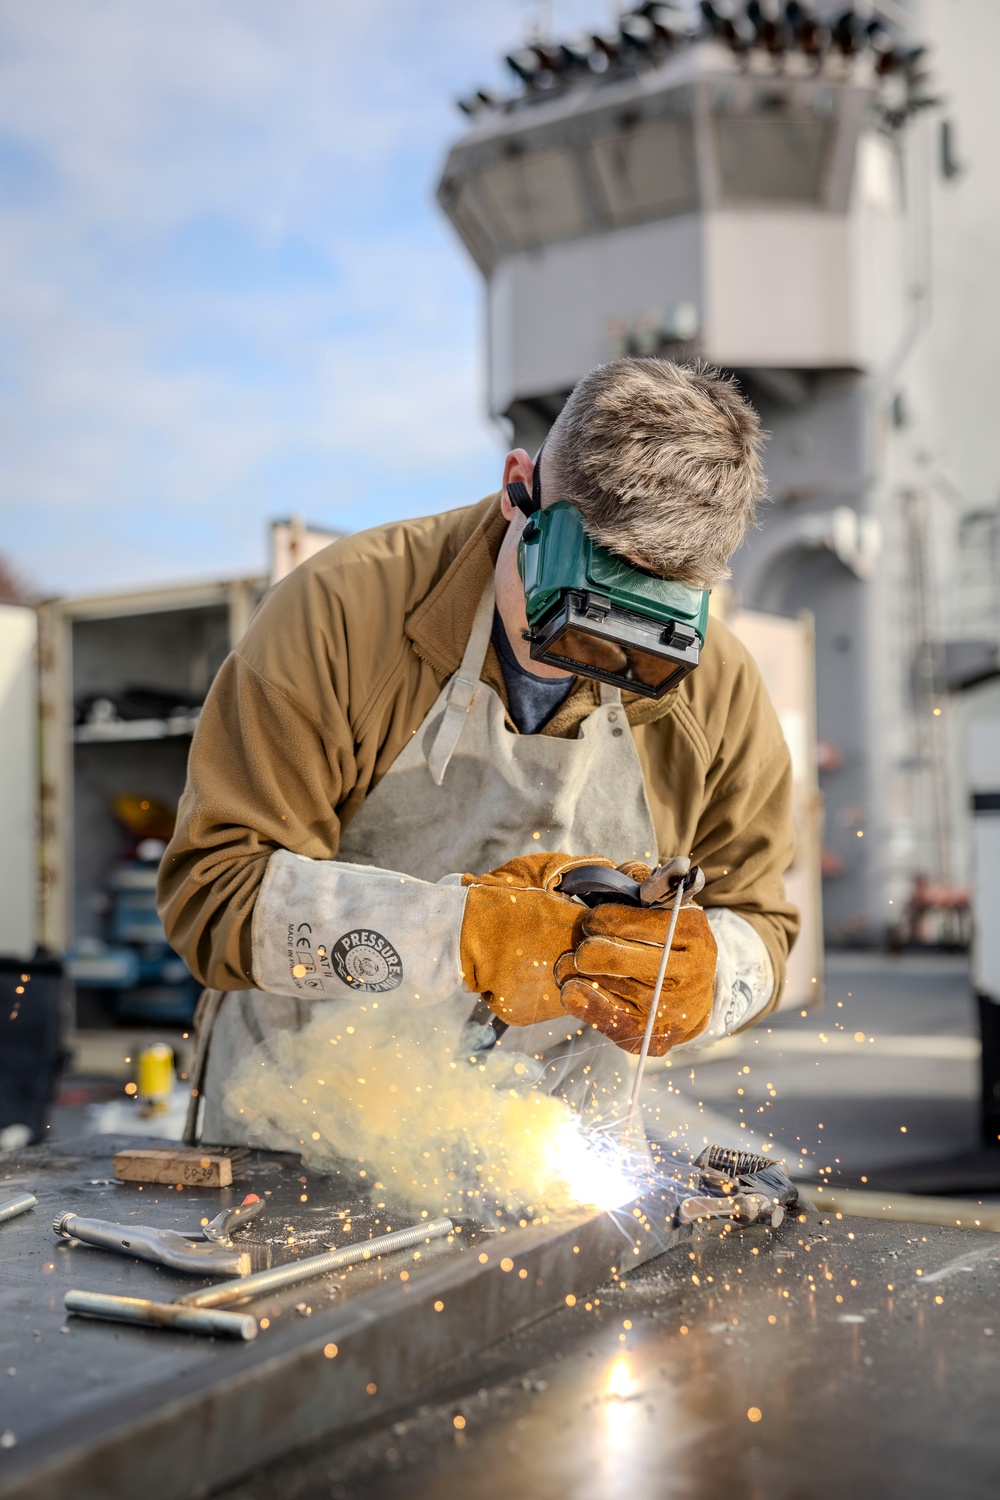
(18,782)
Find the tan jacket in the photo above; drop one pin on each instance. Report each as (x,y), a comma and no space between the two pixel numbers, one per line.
(341,664)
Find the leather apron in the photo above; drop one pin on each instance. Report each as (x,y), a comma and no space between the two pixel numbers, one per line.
(468,794)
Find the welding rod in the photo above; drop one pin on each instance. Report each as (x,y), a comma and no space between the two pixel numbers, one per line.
(15,1206)
(315,1265)
(633,1103)
(161,1314)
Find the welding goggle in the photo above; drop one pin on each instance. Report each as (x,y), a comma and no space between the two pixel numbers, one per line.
(592,613)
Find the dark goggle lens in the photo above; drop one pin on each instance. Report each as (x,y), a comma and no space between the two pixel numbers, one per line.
(578,648)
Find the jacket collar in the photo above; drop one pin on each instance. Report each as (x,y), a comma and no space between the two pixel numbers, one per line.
(441,623)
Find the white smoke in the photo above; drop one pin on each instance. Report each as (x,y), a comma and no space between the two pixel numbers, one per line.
(399,1097)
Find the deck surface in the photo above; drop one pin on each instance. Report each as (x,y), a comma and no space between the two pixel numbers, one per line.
(646,1396)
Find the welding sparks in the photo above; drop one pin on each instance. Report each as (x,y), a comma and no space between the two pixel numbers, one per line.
(591,1165)
(442,1130)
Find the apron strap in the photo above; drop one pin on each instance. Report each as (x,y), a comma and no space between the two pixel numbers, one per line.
(610,694)
(462,688)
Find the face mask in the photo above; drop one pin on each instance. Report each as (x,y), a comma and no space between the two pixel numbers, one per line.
(592,613)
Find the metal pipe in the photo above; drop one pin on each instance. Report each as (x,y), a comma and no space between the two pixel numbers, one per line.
(160,1314)
(316,1265)
(15,1206)
(909,1208)
(633,1103)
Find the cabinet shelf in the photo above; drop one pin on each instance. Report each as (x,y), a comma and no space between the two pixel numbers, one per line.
(135,729)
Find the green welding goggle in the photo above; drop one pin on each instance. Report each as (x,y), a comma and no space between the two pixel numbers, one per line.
(597,615)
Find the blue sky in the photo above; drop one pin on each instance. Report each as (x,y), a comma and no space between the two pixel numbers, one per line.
(226,291)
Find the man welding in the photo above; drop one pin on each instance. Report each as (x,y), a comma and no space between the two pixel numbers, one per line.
(429,724)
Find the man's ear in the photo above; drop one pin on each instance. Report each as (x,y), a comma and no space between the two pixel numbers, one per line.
(518,469)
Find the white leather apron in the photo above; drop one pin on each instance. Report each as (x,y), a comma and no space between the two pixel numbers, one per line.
(468,794)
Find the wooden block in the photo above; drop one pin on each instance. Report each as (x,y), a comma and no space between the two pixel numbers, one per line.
(189,1165)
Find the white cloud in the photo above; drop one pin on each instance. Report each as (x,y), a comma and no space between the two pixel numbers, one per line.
(169,378)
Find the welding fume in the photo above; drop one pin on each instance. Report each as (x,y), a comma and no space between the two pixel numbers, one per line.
(455,789)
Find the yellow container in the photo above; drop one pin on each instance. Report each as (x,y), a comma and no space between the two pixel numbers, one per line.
(155,1074)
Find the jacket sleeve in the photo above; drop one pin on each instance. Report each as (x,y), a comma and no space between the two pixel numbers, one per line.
(303,719)
(272,761)
(744,838)
(263,774)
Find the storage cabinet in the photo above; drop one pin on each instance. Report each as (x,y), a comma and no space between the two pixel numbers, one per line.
(122,680)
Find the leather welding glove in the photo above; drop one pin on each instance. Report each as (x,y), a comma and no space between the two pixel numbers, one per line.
(608,980)
(514,929)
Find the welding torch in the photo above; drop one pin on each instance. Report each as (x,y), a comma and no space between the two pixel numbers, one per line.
(669,884)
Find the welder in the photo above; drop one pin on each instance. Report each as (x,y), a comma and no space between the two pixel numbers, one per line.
(430,723)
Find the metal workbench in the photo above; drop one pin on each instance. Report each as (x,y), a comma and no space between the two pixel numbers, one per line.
(102,1410)
(870,1351)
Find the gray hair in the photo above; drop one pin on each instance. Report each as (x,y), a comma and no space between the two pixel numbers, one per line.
(664,463)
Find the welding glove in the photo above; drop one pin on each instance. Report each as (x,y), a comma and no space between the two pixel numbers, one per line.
(516,926)
(608,980)
(326,929)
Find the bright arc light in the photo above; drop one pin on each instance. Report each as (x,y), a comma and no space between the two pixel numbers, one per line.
(593,1174)
(620,1385)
